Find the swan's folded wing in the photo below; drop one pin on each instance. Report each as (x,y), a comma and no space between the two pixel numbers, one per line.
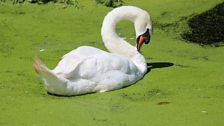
(67,64)
(71,60)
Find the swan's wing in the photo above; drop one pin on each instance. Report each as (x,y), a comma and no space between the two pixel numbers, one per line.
(97,66)
(71,60)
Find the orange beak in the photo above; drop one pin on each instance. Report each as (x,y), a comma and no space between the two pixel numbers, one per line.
(140,42)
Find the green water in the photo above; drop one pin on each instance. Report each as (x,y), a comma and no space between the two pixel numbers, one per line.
(184,87)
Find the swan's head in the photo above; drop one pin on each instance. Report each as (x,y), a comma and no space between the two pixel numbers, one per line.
(143,28)
(143,38)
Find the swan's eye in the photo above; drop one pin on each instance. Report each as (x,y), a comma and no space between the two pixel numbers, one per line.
(147,36)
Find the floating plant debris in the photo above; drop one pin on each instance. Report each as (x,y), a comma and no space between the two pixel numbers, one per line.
(207,27)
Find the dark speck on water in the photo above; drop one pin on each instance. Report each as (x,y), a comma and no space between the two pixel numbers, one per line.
(163,103)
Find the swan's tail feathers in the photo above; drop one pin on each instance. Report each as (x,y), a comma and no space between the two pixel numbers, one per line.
(53,83)
(40,67)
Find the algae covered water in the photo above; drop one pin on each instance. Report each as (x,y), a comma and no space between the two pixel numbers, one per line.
(184,84)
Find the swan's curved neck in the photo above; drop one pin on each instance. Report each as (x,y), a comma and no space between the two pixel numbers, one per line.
(117,45)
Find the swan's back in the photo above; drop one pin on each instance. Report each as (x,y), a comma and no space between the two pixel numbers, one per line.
(88,63)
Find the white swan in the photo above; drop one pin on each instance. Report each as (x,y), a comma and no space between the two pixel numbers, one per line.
(88,69)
